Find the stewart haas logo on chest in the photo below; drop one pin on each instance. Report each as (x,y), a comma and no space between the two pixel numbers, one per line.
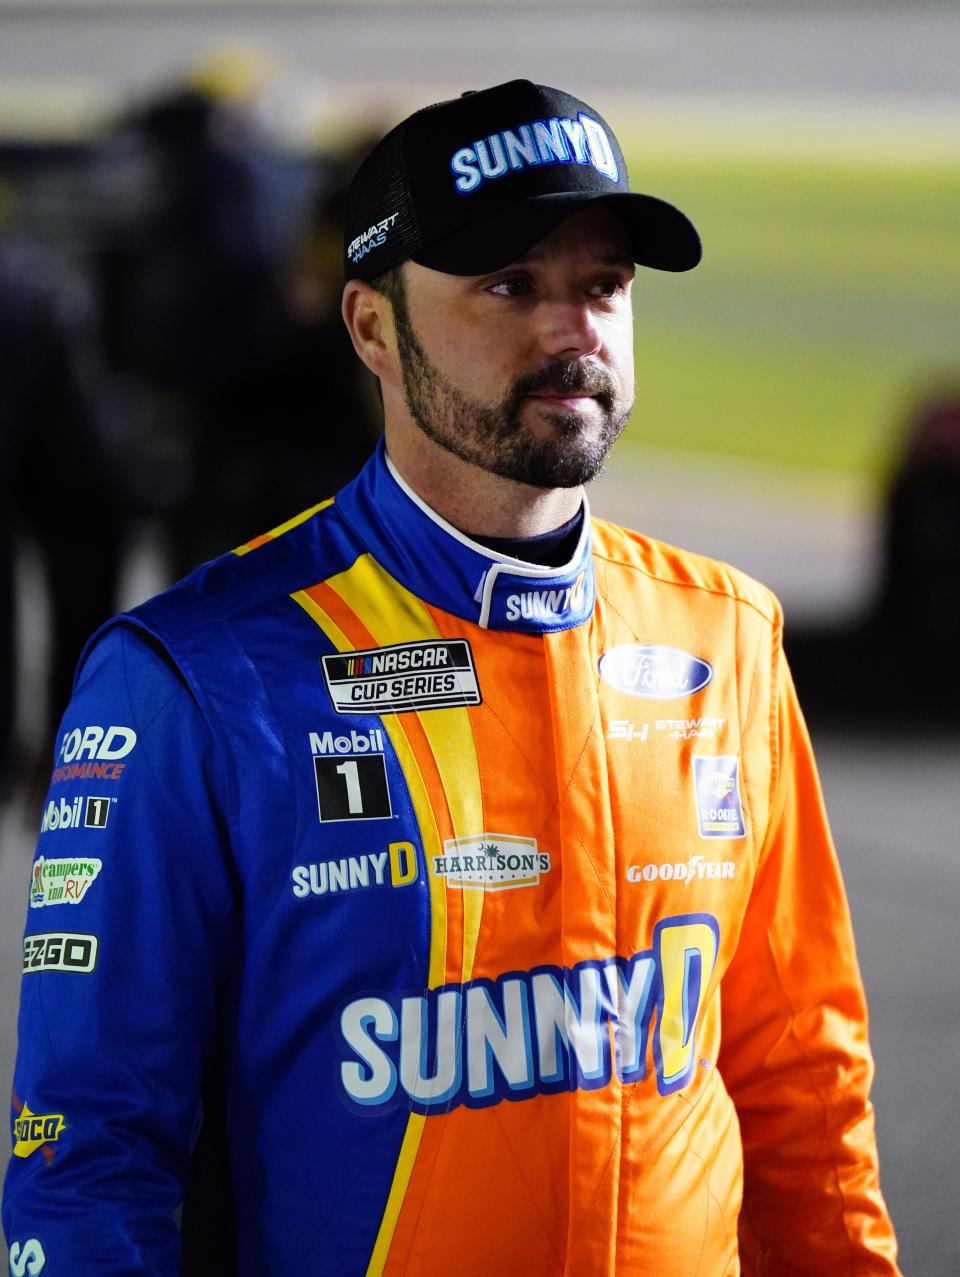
(432,674)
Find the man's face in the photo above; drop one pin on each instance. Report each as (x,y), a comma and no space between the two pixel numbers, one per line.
(526,372)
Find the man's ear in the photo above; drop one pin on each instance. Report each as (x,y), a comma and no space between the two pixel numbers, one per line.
(368,316)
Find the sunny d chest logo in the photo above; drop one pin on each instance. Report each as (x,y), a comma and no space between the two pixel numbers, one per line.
(61,882)
(395,867)
(433,674)
(491,862)
(717,796)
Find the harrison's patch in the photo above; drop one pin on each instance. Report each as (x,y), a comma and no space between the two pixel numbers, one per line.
(491,862)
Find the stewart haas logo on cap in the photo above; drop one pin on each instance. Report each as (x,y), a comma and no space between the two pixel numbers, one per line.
(433,674)
(373,237)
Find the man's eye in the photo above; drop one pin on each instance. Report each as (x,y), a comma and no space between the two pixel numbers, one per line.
(513,287)
(609,288)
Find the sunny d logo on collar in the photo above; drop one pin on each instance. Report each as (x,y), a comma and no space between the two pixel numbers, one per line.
(558,140)
(547,605)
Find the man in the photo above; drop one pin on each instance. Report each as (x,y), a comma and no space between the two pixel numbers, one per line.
(455,822)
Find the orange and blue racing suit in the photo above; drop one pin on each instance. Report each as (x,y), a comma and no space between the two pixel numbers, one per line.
(505,893)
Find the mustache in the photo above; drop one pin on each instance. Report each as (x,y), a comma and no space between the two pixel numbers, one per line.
(568,377)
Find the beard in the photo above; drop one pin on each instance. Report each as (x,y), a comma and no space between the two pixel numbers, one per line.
(493,436)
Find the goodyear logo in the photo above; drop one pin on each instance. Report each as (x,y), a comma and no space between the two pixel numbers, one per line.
(32,1130)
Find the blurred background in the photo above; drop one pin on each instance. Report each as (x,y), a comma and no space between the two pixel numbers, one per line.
(174,379)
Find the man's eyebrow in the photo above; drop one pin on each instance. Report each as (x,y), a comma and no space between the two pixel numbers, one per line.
(615,257)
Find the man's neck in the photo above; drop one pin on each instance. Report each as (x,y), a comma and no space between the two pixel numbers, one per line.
(474,501)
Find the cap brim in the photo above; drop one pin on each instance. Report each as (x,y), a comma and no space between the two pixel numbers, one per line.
(661,237)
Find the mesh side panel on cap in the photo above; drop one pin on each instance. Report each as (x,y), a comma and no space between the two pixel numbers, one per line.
(380,193)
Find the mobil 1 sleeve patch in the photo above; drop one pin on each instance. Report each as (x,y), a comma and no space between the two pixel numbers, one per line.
(352,787)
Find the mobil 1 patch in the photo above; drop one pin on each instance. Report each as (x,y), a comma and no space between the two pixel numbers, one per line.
(351,775)
(432,674)
(716,784)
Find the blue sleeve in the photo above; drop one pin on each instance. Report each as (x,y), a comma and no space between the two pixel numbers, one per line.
(131,929)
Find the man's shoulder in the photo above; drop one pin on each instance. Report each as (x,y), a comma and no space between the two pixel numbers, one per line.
(673,567)
(257,576)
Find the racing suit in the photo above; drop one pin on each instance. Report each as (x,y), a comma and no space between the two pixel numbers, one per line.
(506,891)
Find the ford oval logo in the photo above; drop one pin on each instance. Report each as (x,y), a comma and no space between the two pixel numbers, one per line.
(654,672)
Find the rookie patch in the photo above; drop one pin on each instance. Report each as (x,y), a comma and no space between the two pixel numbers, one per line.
(717,795)
(434,674)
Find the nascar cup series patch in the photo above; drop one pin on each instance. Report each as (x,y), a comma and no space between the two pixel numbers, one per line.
(717,794)
(432,674)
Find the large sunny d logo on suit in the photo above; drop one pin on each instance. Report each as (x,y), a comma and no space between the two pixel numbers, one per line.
(538,1032)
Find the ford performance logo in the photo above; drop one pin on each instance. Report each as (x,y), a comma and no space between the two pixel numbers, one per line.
(654,672)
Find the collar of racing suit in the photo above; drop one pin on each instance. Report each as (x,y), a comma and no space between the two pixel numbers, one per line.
(442,566)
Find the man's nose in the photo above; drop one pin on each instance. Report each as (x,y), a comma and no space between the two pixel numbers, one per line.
(569,329)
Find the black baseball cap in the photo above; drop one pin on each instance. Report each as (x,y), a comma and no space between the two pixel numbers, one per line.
(468,185)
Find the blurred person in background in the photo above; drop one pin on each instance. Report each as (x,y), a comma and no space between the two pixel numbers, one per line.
(57,489)
(441,818)
(218,321)
(916,614)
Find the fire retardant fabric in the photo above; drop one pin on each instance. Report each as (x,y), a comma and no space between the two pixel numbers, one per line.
(505,892)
